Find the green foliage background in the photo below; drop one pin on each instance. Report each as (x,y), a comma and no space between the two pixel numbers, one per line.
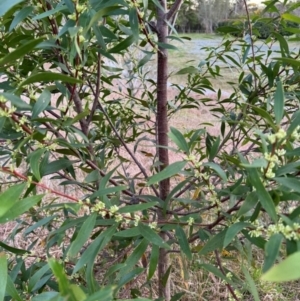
(69,131)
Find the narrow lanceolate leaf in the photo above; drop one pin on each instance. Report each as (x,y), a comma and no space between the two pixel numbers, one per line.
(217,169)
(123,45)
(134,23)
(83,235)
(134,257)
(153,261)
(279,102)
(9,197)
(168,172)
(19,52)
(183,243)
(41,103)
(287,270)
(6,5)
(35,162)
(60,275)
(152,236)
(291,183)
(294,123)
(216,242)
(251,284)
(20,207)
(3,275)
(12,291)
(263,195)
(272,249)
(179,139)
(233,231)
(20,16)
(188,70)
(49,77)
(138,207)
(291,17)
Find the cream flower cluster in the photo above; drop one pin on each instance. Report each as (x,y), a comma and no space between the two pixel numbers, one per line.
(290,232)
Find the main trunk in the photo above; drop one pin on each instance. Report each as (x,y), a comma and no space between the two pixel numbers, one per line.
(162,138)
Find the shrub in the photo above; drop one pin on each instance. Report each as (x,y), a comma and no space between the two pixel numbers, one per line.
(93,206)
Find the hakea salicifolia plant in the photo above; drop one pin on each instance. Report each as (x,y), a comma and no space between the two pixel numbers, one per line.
(274,159)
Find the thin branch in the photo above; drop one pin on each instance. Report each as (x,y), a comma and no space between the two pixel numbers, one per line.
(223,272)
(97,92)
(174,9)
(252,41)
(136,161)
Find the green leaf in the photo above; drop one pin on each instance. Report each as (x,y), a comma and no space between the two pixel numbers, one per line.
(12,249)
(108,190)
(123,45)
(263,195)
(17,101)
(166,276)
(166,46)
(214,149)
(233,231)
(9,197)
(3,275)
(131,232)
(36,277)
(291,17)
(265,115)
(49,12)
(154,257)
(129,277)
(83,235)
(20,207)
(216,242)
(183,242)
(20,16)
(55,166)
(6,5)
(134,22)
(167,172)
(179,140)
(287,270)
(290,61)
(138,207)
(272,249)
(35,162)
(152,236)
(21,51)
(294,123)
(249,203)
(144,60)
(135,256)
(49,77)
(291,183)
(41,103)
(95,247)
(188,70)
(11,290)
(60,275)
(104,294)
(217,169)
(279,102)
(212,269)
(40,223)
(251,284)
